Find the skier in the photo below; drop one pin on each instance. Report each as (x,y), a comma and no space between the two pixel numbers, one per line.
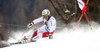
(46,30)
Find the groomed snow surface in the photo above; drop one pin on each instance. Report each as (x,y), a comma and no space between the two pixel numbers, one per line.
(63,41)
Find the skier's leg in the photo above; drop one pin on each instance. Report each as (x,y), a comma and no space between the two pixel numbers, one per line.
(41,30)
(41,35)
(36,37)
(34,34)
(46,34)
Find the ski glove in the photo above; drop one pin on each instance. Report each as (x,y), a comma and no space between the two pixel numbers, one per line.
(30,25)
(50,36)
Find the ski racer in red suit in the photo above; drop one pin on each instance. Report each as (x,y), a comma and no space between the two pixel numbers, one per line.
(46,30)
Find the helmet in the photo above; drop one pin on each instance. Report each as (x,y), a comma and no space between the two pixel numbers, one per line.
(45,13)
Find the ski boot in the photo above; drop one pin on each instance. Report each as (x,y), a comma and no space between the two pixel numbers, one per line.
(23,40)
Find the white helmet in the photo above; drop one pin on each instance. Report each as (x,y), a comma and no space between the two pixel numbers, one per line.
(45,13)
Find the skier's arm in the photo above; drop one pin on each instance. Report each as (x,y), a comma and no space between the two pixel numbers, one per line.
(35,22)
(52,28)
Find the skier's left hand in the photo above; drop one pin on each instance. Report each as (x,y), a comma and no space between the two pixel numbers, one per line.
(50,36)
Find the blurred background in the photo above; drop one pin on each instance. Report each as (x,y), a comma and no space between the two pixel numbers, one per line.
(16,14)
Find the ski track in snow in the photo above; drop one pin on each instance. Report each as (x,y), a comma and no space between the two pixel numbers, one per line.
(64,41)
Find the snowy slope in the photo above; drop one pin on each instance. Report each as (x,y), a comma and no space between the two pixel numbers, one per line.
(64,41)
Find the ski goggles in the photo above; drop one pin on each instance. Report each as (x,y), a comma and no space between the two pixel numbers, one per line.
(45,16)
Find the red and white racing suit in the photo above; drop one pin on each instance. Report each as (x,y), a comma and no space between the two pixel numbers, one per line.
(45,30)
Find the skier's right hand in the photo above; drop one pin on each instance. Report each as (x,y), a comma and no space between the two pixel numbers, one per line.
(30,25)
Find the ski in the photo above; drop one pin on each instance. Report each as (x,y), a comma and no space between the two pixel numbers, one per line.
(20,42)
(15,43)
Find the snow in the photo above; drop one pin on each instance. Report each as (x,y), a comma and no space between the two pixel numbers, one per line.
(63,41)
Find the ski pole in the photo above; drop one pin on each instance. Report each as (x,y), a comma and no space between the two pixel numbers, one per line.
(87,2)
(88,21)
(25,31)
(78,22)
